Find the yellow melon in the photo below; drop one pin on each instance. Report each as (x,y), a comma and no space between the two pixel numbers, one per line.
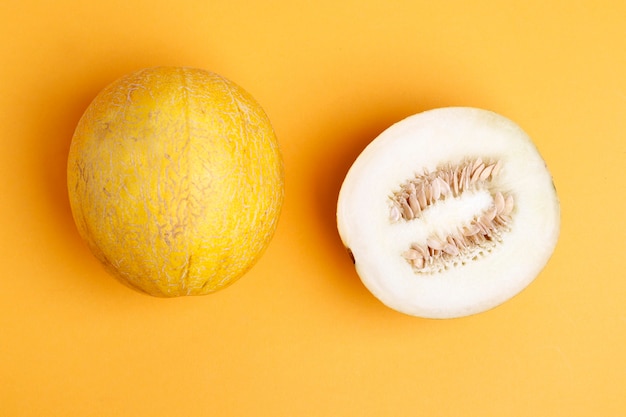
(175,180)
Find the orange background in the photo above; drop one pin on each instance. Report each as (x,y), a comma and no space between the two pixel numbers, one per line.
(299,335)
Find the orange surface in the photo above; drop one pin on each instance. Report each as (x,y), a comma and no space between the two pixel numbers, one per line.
(299,335)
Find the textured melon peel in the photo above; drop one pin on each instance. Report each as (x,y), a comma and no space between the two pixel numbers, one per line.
(483,275)
(175,180)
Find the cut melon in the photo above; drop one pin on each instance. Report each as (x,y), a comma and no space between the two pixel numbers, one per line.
(449,213)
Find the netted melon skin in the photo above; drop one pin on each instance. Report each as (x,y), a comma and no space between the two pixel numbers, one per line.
(175,180)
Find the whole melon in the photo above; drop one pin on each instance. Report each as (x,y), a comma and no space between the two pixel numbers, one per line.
(175,180)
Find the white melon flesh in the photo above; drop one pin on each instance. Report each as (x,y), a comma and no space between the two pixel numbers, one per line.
(484,273)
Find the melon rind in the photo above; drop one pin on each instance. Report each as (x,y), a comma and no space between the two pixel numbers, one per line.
(175,180)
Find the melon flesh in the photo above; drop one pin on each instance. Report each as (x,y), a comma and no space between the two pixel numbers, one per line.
(424,143)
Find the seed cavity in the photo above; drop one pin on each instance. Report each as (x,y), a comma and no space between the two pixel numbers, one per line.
(470,241)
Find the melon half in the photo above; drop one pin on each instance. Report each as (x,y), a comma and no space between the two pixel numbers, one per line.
(449,213)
